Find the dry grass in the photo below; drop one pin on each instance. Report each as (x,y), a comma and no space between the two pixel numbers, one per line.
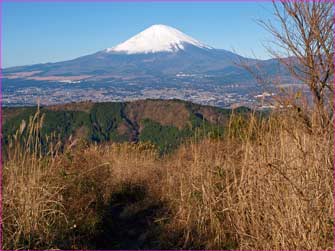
(266,185)
(91,175)
(32,201)
(273,189)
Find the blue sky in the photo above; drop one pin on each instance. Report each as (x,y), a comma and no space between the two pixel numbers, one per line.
(35,32)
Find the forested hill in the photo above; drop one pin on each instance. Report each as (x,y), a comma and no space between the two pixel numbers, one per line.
(165,123)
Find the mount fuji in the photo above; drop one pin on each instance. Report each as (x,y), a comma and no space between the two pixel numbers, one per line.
(160,62)
(158,51)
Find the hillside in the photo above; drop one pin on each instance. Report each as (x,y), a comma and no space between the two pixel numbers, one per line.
(165,123)
(265,184)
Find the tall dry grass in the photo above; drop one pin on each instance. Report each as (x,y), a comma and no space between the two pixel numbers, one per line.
(269,188)
(268,184)
(54,199)
(32,202)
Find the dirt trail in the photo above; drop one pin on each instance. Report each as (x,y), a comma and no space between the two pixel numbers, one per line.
(130,222)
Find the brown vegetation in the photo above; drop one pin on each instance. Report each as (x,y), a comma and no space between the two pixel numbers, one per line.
(304,33)
(165,112)
(85,106)
(270,189)
(268,184)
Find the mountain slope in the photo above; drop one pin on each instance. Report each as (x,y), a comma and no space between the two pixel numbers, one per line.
(157,51)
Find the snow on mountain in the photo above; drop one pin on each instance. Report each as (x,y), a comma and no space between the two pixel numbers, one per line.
(138,58)
(157,38)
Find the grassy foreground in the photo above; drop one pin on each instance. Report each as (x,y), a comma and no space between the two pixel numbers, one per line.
(267,184)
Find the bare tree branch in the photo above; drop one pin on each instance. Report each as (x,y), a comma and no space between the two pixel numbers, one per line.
(305,31)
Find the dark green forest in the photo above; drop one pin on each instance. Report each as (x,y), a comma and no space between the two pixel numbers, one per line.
(104,122)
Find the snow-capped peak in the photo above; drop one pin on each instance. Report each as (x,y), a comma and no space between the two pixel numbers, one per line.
(157,38)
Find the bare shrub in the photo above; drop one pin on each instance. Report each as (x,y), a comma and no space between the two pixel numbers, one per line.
(304,33)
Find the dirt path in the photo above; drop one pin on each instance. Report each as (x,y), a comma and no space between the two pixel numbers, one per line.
(129,222)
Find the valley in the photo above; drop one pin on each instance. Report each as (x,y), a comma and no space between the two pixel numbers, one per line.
(197,89)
